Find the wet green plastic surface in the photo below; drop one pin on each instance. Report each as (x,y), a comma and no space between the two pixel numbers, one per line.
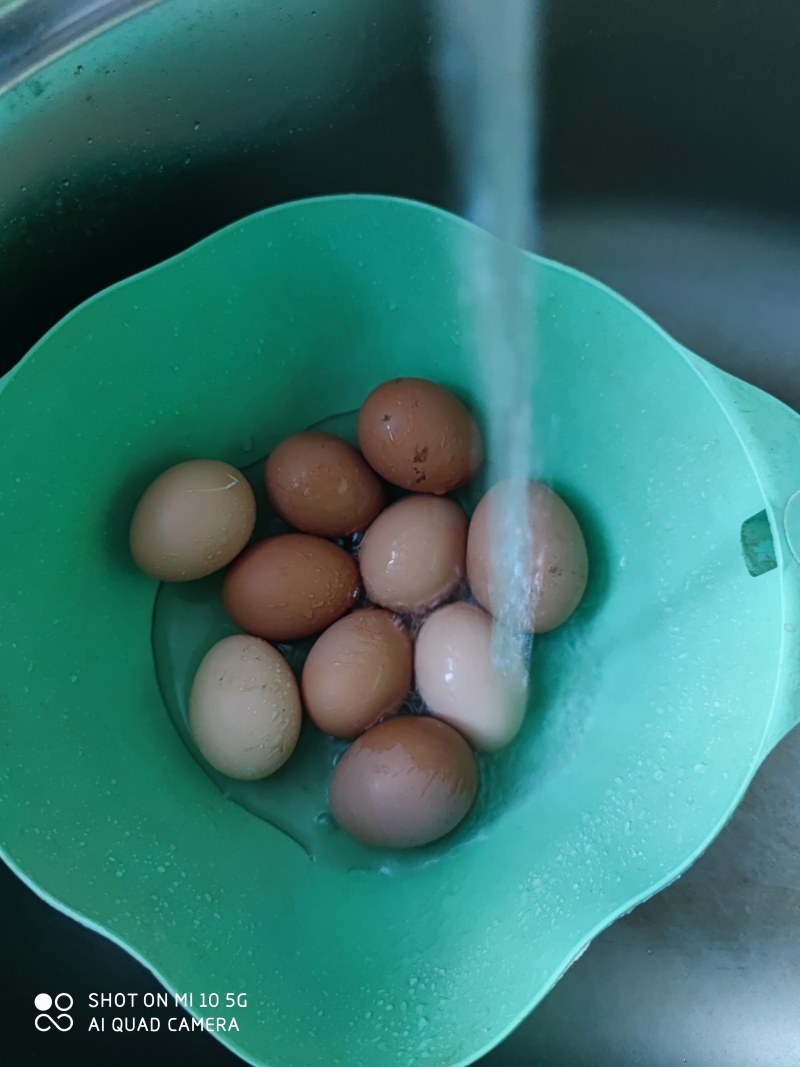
(649,713)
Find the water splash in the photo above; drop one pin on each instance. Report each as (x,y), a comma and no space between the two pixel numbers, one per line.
(487,77)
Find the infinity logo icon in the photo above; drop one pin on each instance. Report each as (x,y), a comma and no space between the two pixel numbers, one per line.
(62,1002)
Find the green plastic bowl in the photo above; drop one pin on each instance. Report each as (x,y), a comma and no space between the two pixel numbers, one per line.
(649,713)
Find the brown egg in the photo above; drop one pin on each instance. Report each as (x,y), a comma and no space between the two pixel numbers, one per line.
(412,556)
(192,520)
(419,436)
(358,671)
(244,708)
(559,568)
(322,485)
(406,782)
(290,586)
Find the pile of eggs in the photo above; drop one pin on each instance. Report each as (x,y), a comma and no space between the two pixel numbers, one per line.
(399,597)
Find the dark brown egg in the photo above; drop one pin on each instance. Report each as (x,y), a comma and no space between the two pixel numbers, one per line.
(322,485)
(418,435)
(290,586)
(406,782)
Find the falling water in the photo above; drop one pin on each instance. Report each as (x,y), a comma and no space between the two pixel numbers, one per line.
(486,76)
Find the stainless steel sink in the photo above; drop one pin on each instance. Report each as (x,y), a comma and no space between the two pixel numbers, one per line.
(671,170)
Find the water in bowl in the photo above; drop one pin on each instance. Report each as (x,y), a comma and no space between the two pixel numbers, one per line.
(188,618)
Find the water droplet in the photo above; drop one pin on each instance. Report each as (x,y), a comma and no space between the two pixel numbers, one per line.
(196,124)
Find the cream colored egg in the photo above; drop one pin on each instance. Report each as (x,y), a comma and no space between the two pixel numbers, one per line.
(192,520)
(244,708)
(458,680)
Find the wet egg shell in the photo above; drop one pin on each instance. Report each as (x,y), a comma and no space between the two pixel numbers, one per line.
(192,520)
(244,708)
(418,435)
(358,671)
(405,782)
(322,485)
(290,586)
(559,566)
(413,555)
(457,678)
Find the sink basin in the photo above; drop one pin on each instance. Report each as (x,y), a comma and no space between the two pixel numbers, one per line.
(130,130)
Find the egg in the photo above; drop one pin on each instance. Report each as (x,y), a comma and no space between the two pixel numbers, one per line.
(358,671)
(405,782)
(558,567)
(322,485)
(458,680)
(290,586)
(412,556)
(418,435)
(244,708)
(192,520)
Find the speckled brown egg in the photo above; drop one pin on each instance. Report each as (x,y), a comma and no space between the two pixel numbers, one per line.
(358,671)
(406,782)
(418,435)
(290,586)
(559,566)
(192,520)
(322,485)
